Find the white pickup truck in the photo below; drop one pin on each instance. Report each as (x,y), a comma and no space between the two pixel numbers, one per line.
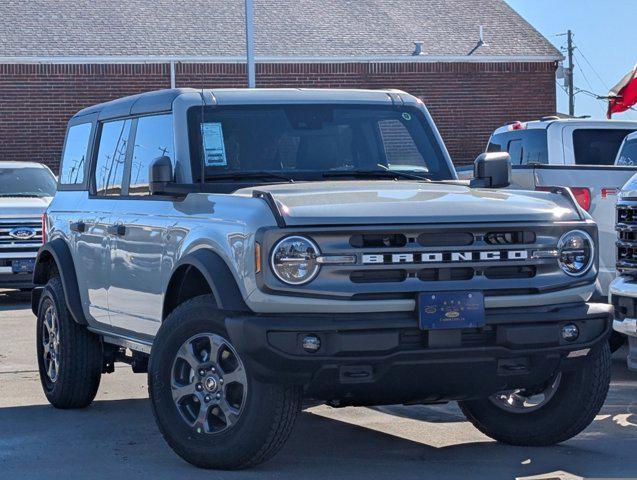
(575,153)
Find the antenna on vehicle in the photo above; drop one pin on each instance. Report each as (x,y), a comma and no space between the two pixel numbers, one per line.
(202,144)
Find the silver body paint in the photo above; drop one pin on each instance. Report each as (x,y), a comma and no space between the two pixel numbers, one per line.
(122,280)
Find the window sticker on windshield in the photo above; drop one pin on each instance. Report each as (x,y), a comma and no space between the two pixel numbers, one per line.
(406,116)
(214,150)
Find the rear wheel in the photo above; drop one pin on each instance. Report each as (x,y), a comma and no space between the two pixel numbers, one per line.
(550,413)
(210,409)
(69,356)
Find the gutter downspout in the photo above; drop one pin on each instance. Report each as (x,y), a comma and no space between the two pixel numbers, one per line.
(172,75)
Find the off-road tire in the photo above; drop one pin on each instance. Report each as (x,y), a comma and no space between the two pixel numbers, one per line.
(80,354)
(266,420)
(578,399)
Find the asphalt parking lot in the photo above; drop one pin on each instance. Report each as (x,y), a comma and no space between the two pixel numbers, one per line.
(117,438)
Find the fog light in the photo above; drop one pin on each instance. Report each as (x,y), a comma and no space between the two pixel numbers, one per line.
(570,332)
(311,343)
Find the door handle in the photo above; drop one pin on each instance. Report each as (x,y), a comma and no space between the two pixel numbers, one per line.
(116,229)
(78,226)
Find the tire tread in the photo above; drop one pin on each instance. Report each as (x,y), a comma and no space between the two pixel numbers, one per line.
(81,362)
(595,384)
(286,399)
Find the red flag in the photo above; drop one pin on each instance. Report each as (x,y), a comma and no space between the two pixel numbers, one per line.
(623,95)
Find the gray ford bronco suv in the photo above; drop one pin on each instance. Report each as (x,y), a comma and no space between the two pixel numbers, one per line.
(255,251)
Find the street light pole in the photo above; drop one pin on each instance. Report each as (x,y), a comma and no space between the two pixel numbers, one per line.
(250,67)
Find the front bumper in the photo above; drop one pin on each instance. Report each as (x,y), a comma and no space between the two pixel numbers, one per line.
(383,358)
(8,279)
(623,296)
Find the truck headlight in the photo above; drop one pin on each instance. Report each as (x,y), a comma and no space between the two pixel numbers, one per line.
(575,252)
(293,260)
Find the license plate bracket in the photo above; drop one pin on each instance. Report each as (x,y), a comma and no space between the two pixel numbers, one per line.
(23,265)
(450,310)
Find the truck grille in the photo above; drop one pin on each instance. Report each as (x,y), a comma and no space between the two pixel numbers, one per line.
(627,238)
(400,262)
(20,235)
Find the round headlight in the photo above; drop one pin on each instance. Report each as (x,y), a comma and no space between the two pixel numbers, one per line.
(575,252)
(294,260)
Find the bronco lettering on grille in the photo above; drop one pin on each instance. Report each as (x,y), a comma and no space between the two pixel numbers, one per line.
(440,257)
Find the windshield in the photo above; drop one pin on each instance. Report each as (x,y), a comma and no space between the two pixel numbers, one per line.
(305,142)
(26,182)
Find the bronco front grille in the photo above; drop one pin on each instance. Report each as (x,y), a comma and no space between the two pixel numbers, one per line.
(398,262)
(627,238)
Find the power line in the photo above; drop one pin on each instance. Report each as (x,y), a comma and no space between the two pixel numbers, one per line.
(604,84)
(589,86)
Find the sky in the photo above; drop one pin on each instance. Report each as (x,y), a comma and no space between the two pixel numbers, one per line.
(605,34)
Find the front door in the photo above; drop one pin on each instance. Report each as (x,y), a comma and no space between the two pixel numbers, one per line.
(140,227)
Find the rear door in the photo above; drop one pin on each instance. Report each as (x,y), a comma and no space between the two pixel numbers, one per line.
(140,228)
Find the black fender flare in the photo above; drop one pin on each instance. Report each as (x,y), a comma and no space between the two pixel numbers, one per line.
(218,276)
(58,251)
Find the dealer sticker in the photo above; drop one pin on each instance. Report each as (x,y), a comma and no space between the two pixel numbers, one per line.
(213,147)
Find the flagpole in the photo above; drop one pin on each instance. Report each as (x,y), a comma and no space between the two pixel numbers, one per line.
(250,44)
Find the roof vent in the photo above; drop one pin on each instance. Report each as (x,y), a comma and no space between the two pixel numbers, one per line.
(418,48)
(481,42)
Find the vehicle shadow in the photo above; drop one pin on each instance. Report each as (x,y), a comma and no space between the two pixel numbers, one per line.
(14,300)
(113,438)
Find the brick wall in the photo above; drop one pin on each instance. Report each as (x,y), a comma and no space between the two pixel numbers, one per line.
(467,100)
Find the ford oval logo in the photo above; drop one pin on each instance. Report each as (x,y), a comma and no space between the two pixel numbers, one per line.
(22,233)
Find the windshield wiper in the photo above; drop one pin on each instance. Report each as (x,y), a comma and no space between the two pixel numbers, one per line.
(375,174)
(248,175)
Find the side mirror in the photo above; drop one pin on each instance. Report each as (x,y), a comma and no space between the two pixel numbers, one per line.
(492,170)
(160,173)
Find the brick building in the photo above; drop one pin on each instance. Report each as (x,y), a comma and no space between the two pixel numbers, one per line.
(58,57)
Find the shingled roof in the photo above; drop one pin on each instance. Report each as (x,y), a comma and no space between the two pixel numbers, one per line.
(334,30)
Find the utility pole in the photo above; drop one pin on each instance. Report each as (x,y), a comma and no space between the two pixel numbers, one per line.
(571,72)
(250,67)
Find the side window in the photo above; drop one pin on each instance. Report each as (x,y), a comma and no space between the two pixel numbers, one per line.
(524,146)
(535,147)
(515,151)
(154,138)
(74,157)
(111,157)
(597,146)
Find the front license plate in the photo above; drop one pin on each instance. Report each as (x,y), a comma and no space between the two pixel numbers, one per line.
(23,266)
(448,310)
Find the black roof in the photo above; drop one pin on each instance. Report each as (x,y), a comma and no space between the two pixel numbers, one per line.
(140,104)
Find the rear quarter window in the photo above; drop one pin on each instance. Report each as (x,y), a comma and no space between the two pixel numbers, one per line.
(524,146)
(597,146)
(74,156)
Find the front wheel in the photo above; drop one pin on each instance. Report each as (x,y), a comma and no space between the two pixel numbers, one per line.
(210,409)
(551,413)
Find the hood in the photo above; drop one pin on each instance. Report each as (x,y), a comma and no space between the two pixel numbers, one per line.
(404,202)
(23,207)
